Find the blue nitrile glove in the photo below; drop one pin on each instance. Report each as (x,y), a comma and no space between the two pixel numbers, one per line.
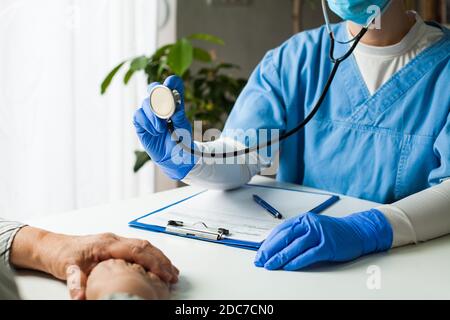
(311,238)
(157,140)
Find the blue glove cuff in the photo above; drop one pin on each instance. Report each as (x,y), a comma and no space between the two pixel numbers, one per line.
(374,230)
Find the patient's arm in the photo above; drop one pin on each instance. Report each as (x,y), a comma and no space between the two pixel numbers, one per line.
(59,255)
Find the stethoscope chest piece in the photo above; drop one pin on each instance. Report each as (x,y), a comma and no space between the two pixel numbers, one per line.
(163,101)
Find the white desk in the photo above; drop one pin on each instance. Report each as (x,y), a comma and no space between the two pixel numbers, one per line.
(212,271)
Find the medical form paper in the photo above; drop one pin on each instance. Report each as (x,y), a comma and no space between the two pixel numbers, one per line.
(237,212)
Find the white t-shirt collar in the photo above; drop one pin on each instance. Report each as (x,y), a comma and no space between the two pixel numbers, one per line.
(411,38)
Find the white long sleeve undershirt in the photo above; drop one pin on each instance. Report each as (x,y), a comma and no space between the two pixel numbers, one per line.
(420,217)
(218,174)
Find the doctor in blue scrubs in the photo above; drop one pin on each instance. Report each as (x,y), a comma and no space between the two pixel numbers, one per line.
(382,134)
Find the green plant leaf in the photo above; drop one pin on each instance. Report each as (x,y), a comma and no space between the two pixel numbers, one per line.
(202,55)
(128,76)
(227,66)
(109,77)
(151,71)
(162,51)
(210,91)
(161,68)
(141,159)
(207,38)
(181,56)
(139,63)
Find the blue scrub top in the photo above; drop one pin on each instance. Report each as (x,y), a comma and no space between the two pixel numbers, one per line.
(380,147)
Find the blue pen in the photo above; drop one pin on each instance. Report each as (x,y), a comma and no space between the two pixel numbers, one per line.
(322,207)
(273,212)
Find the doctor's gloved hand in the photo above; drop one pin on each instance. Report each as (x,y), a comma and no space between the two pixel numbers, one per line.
(310,238)
(158,142)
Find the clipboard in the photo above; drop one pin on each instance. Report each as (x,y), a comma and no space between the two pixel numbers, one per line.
(200,230)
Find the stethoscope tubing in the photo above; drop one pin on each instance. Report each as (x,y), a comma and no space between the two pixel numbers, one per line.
(233,154)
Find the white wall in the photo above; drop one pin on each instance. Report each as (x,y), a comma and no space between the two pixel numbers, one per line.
(62,145)
(249,31)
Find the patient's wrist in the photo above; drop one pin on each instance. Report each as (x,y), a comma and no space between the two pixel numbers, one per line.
(26,249)
(40,250)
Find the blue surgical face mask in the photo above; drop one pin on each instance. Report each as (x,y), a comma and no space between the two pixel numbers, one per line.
(359,11)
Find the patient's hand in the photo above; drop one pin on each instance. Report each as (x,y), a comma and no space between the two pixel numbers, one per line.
(117,276)
(72,258)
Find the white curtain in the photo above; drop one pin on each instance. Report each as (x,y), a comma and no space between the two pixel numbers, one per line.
(62,145)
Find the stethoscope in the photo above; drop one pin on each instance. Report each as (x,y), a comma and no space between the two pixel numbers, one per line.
(164,101)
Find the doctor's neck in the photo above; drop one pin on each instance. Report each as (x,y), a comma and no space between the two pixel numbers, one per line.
(395,25)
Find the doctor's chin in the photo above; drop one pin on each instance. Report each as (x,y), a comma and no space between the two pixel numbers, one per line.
(223,159)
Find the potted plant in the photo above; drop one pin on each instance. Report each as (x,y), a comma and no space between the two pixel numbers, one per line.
(210,92)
